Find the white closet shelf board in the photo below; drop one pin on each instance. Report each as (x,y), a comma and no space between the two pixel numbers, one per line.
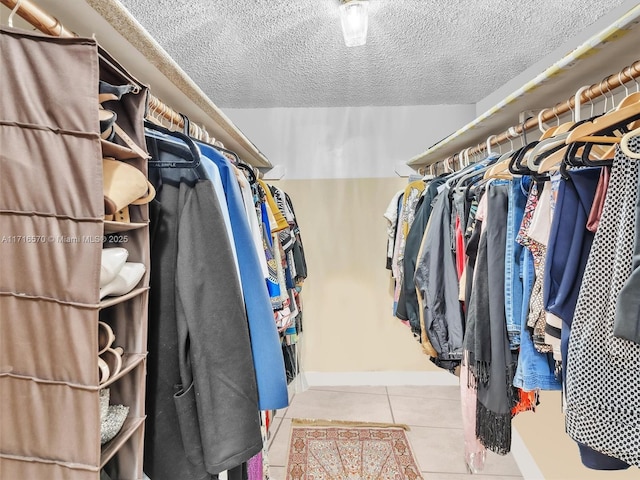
(605,53)
(118,32)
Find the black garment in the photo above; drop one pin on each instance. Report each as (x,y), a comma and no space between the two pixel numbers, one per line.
(408,308)
(298,249)
(202,402)
(490,358)
(471,240)
(238,473)
(289,352)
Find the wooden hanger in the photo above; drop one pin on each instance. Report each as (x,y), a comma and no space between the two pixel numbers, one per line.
(629,113)
(501,168)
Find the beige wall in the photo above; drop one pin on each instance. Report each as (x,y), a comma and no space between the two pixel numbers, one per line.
(553,450)
(347,298)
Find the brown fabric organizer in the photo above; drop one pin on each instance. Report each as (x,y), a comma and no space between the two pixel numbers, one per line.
(51,216)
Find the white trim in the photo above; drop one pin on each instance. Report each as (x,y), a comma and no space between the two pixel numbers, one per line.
(404,170)
(527,465)
(322,379)
(277,172)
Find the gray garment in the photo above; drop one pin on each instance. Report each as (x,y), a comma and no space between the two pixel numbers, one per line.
(437,282)
(627,322)
(408,308)
(202,401)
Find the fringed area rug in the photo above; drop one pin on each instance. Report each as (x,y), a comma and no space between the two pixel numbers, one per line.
(337,450)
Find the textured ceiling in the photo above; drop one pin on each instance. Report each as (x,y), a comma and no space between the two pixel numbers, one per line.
(276,53)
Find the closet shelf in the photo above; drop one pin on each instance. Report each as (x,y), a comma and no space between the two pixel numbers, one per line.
(131,424)
(611,50)
(116,227)
(118,31)
(129,362)
(111,301)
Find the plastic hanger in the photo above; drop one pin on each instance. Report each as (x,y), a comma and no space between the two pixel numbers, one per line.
(186,155)
(500,168)
(551,130)
(543,143)
(489,162)
(463,170)
(16,7)
(546,133)
(516,164)
(624,144)
(488,144)
(429,176)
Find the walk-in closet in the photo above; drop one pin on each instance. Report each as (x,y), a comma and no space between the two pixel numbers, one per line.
(319,240)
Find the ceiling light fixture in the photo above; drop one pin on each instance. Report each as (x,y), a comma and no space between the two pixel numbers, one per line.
(355,20)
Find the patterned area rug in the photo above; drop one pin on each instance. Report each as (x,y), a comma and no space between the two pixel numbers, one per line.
(335,450)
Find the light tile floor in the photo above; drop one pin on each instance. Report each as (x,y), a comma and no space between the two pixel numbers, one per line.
(433,413)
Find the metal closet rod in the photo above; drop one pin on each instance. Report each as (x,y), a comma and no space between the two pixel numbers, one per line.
(596,90)
(50,25)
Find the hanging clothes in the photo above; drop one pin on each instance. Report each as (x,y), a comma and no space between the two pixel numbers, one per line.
(265,343)
(602,370)
(627,318)
(202,398)
(408,300)
(569,246)
(513,285)
(391,216)
(490,358)
(536,367)
(252,216)
(406,217)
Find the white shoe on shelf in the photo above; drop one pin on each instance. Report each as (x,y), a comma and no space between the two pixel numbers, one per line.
(113,259)
(126,279)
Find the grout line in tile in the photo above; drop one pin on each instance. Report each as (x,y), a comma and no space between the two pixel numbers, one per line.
(393,418)
(275,434)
